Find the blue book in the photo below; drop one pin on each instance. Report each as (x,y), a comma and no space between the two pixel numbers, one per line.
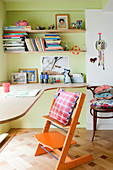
(52,35)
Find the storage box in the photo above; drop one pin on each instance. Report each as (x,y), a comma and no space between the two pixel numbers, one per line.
(78,78)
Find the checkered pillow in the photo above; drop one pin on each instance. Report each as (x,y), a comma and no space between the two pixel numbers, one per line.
(63,106)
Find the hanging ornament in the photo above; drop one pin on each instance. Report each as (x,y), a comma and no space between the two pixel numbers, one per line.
(100,46)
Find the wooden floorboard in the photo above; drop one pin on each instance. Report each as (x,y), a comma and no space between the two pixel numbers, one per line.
(17,151)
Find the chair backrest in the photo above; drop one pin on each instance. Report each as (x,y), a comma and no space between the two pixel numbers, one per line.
(92,88)
(63,106)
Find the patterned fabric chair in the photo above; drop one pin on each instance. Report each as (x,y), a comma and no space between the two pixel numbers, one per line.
(102,103)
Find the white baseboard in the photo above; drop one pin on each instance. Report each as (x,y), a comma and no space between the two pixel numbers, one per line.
(3,136)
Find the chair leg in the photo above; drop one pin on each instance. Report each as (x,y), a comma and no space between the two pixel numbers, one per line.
(95,119)
(94,123)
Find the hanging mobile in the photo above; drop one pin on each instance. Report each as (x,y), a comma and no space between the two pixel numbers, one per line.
(100,46)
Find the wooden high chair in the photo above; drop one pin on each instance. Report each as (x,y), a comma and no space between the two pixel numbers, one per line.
(49,141)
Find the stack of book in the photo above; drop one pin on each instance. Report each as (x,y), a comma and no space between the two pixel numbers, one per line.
(13,38)
(35,45)
(53,42)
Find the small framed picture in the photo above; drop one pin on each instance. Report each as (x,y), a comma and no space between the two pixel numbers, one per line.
(62,21)
(19,78)
(31,74)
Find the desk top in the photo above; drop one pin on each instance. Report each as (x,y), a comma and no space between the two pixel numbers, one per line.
(12,108)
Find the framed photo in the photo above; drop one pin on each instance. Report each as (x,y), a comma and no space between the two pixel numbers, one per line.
(19,78)
(31,75)
(62,21)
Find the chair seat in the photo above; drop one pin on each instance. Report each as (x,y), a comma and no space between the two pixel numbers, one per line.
(101,109)
(52,139)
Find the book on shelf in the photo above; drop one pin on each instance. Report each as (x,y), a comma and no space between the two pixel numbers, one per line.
(40,44)
(12,36)
(14,39)
(53,42)
(13,45)
(13,42)
(49,35)
(36,44)
(43,44)
(28,44)
(33,44)
(14,31)
(23,93)
(16,28)
(14,48)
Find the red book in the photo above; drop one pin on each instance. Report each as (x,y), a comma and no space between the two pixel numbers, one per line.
(15,31)
(13,35)
(43,44)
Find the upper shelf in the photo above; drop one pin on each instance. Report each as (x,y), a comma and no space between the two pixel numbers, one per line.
(56,31)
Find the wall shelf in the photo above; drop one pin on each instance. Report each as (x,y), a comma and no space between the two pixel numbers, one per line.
(30,52)
(56,31)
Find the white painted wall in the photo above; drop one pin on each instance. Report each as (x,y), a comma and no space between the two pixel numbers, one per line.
(96,22)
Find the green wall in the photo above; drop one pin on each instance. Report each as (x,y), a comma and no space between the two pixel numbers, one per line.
(33,119)
(62,5)
(3,56)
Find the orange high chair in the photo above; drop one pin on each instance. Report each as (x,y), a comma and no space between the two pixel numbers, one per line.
(49,141)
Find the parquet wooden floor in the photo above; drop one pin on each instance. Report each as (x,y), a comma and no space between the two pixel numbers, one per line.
(17,151)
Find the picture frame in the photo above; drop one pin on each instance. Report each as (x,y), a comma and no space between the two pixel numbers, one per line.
(62,21)
(32,74)
(19,78)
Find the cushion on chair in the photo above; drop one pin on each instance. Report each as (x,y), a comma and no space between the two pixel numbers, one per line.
(102,103)
(102,89)
(63,106)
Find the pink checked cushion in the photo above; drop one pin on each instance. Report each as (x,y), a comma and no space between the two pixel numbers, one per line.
(63,106)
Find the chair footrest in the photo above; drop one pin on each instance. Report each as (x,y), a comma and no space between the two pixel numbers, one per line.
(52,139)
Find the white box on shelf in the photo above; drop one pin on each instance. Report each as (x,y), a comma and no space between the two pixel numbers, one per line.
(78,78)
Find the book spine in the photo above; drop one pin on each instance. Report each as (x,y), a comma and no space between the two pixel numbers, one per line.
(38,44)
(12,36)
(34,47)
(43,44)
(32,44)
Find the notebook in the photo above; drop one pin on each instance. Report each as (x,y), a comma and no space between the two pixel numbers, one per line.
(23,93)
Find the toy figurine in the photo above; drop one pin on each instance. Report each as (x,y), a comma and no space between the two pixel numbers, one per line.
(66,47)
(21,23)
(53,80)
(51,27)
(67,77)
(79,24)
(39,27)
(46,78)
(57,80)
(41,78)
(73,25)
